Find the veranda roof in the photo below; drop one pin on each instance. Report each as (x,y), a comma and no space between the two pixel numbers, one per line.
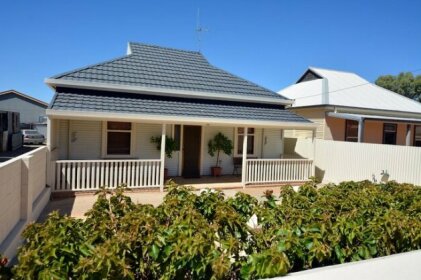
(78,102)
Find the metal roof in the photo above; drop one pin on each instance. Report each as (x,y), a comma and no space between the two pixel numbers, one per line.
(359,117)
(25,96)
(129,103)
(347,89)
(167,68)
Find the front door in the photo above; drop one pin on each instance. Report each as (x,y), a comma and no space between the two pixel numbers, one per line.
(192,139)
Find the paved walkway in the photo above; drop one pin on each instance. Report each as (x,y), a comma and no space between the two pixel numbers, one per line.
(77,206)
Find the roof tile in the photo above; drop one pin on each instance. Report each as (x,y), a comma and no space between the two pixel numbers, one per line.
(167,68)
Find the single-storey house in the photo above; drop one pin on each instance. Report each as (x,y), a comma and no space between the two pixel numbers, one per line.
(103,116)
(346,107)
(31,110)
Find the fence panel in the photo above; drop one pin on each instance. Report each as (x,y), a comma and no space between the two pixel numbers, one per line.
(337,161)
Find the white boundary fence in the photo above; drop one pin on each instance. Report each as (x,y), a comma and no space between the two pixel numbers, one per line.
(337,161)
(23,195)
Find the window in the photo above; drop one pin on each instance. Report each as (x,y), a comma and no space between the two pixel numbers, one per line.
(250,141)
(417,135)
(351,131)
(177,135)
(119,138)
(389,133)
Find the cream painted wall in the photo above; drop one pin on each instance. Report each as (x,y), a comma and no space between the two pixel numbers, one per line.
(10,196)
(85,139)
(23,195)
(144,149)
(78,140)
(315,115)
(334,129)
(272,143)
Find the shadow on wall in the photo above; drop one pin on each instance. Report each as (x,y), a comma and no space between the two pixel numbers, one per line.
(298,148)
(320,174)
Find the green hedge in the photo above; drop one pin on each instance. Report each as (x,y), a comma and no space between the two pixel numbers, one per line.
(206,236)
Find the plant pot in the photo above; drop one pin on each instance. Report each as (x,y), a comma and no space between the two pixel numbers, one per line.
(216,171)
(165,173)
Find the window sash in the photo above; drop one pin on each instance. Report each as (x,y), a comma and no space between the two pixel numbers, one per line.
(417,135)
(250,140)
(118,143)
(119,126)
(118,139)
(351,131)
(389,133)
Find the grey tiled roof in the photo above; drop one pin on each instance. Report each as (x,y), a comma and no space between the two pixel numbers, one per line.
(117,102)
(167,68)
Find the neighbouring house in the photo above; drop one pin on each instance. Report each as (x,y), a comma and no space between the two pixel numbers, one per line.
(346,107)
(103,116)
(10,133)
(31,110)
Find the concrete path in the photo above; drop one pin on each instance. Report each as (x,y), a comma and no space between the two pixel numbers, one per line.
(77,206)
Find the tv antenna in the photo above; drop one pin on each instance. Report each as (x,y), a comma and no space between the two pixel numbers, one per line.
(199,31)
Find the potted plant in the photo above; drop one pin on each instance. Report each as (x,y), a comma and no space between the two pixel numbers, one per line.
(170,146)
(219,143)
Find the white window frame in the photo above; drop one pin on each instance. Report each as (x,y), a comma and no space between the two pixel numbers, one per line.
(236,134)
(105,141)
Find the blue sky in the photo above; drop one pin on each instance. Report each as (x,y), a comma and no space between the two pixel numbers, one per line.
(268,42)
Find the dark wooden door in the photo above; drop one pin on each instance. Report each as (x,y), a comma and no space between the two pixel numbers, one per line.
(191,151)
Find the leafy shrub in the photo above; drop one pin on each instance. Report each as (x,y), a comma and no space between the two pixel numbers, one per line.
(206,236)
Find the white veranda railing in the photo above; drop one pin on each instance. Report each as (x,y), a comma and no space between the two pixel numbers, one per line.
(83,175)
(278,170)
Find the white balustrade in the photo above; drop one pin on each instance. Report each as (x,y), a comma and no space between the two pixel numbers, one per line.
(278,170)
(85,175)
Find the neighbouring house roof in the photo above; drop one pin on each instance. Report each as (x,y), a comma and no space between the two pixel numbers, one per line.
(165,70)
(359,117)
(24,96)
(337,88)
(81,100)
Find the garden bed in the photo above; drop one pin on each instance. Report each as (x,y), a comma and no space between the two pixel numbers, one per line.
(207,236)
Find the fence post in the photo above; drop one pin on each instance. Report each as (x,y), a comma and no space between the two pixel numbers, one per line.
(26,189)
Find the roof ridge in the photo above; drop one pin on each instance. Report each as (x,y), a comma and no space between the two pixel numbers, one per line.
(160,67)
(329,69)
(161,47)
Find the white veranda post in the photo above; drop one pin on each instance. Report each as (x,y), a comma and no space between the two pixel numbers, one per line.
(244,164)
(162,157)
